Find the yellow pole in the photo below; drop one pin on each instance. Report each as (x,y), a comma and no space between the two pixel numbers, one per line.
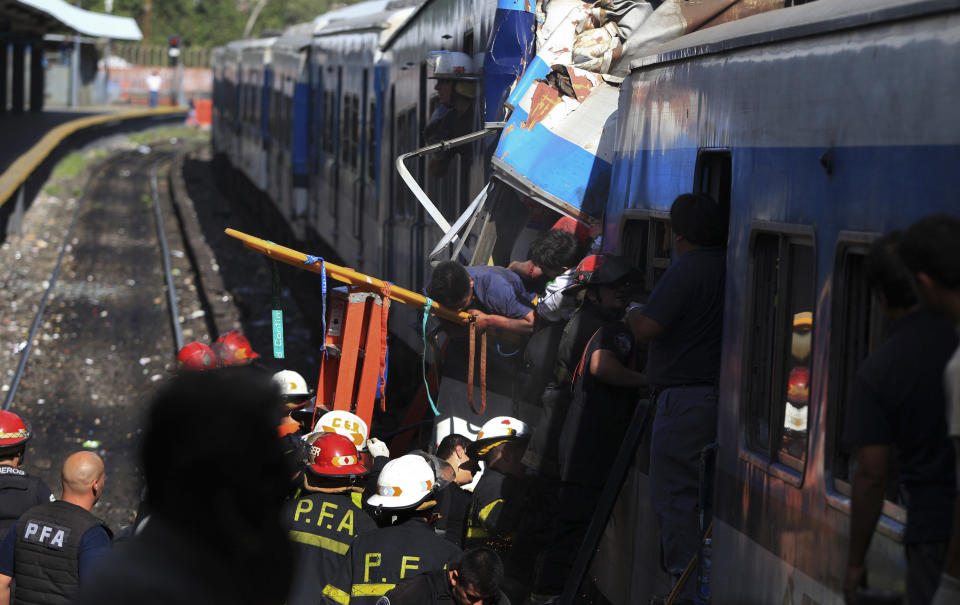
(344,274)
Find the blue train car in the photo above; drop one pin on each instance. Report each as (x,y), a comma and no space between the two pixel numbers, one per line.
(819,128)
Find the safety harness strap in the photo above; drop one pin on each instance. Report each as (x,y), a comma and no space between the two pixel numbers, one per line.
(472,330)
(384,312)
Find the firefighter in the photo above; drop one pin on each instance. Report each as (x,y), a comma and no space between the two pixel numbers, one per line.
(233,349)
(196,356)
(327,516)
(454,116)
(497,497)
(293,389)
(18,490)
(379,560)
(295,394)
(453,502)
(475,580)
(54,546)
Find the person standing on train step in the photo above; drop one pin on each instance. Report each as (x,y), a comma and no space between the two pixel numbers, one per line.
(377,561)
(608,384)
(682,321)
(931,250)
(53,547)
(475,580)
(453,502)
(18,490)
(324,520)
(897,404)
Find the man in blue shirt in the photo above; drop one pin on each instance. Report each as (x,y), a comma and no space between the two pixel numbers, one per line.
(682,321)
(61,536)
(499,301)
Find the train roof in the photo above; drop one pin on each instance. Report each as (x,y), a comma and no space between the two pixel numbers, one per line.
(418,8)
(801,21)
(371,15)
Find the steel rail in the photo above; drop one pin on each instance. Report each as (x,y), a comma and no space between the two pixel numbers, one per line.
(25,352)
(165,256)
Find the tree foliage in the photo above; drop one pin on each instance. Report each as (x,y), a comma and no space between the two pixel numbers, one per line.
(211,22)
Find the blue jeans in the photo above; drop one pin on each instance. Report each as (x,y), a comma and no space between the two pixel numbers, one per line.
(685,422)
(154,97)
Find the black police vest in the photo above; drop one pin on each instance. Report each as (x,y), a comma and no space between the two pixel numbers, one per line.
(321,527)
(18,492)
(47,551)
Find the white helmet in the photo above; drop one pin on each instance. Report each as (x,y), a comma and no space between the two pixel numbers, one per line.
(496,431)
(344,423)
(452,65)
(293,387)
(404,482)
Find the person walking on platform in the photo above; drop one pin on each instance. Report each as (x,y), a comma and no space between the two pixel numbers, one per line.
(154,82)
(453,502)
(53,547)
(326,518)
(377,561)
(18,490)
(475,580)
(898,400)
(682,321)
(931,250)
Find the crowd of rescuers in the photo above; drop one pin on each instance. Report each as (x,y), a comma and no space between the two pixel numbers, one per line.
(323,514)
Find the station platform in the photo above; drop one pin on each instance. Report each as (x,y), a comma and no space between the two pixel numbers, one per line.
(33,141)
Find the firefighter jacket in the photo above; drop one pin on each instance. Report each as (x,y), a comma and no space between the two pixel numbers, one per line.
(321,527)
(379,560)
(47,552)
(18,492)
(495,511)
(428,589)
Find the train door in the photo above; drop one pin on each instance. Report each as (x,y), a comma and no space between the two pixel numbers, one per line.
(361,118)
(338,143)
(627,565)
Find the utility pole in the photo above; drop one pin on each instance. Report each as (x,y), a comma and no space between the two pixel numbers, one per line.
(147,10)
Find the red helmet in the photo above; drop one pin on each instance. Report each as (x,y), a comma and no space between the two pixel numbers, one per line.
(197,356)
(13,430)
(798,385)
(333,455)
(233,349)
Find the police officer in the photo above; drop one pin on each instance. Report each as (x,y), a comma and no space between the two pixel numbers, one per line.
(379,560)
(53,547)
(18,490)
(475,580)
(326,518)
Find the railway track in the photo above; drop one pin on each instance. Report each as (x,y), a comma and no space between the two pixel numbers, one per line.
(118,299)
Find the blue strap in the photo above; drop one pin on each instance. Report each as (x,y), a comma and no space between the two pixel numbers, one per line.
(426,385)
(311,260)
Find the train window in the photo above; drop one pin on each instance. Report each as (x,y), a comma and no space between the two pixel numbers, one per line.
(856,330)
(647,242)
(713,175)
(372,159)
(468,42)
(329,109)
(777,375)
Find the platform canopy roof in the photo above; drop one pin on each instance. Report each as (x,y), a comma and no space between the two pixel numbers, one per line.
(38,17)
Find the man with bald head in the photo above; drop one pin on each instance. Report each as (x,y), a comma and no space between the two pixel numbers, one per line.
(54,545)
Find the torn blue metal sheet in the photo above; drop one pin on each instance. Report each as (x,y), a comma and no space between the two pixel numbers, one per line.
(558,149)
(508,54)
